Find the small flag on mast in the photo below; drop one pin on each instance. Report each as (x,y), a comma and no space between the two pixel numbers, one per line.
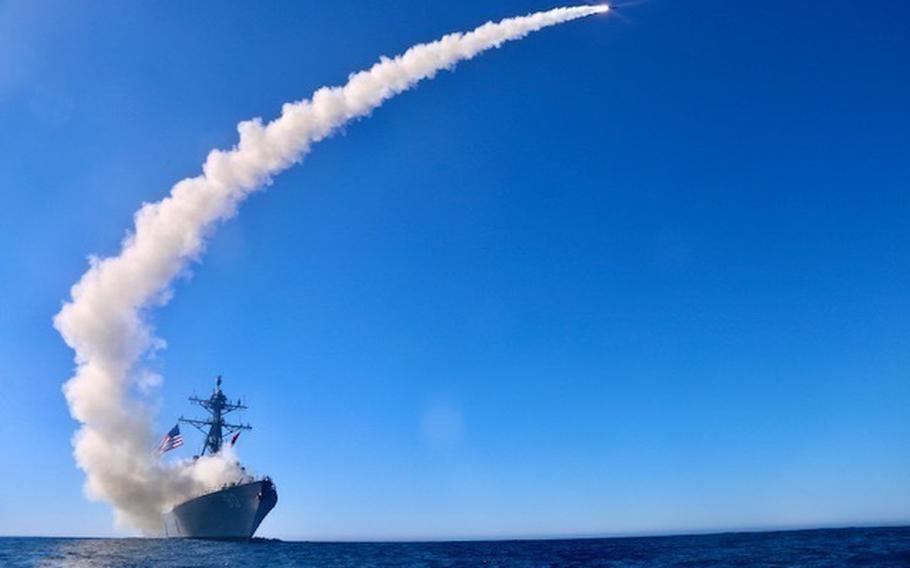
(234,439)
(171,440)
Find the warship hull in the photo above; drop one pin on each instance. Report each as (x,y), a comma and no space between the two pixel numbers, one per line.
(234,512)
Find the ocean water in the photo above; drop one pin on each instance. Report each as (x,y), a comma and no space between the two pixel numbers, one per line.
(874,547)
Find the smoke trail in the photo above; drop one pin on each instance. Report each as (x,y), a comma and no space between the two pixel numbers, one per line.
(104,322)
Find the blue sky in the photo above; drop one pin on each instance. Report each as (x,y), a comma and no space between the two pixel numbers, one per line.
(632,274)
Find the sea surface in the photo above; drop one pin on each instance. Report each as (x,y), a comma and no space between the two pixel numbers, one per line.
(878,547)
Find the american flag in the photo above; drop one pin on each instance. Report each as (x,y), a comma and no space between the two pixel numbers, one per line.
(171,440)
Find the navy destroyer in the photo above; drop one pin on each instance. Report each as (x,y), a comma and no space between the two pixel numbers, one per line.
(235,510)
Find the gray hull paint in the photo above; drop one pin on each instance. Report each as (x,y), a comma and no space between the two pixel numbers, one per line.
(231,513)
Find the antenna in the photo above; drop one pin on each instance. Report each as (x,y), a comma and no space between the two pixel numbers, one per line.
(215,428)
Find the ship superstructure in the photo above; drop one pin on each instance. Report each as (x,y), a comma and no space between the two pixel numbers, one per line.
(215,428)
(236,510)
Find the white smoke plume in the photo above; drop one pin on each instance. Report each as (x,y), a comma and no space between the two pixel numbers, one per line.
(104,322)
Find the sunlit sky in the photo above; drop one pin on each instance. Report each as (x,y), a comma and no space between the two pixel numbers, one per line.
(641,273)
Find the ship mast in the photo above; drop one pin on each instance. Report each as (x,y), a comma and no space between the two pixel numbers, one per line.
(215,428)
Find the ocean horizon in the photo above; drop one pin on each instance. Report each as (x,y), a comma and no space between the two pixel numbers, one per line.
(887,546)
(517,537)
